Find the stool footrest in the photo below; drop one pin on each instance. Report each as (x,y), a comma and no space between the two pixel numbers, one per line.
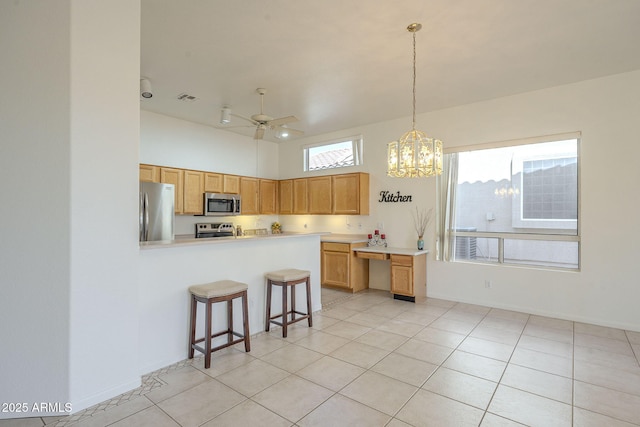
(290,312)
(219,334)
(220,347)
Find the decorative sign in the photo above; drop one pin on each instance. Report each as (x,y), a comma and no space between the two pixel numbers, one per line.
(389,197)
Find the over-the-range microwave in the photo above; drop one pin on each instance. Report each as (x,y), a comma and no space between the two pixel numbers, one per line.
(219,204)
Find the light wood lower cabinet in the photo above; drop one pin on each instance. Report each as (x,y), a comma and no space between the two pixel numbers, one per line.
(409,275)
(341,268)
(408,272)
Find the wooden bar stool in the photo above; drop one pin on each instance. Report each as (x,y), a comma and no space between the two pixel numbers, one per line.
(209,294)
(288,279)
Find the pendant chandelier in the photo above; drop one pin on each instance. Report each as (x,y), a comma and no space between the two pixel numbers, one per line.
(414,154)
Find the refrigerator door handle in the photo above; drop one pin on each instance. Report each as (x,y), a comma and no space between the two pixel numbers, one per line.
(141,219)
(146,217)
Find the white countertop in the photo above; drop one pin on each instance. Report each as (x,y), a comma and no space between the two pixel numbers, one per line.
(344,238)
(389,250)
(192,241)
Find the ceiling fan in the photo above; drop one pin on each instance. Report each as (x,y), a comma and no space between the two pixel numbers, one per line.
(262,122)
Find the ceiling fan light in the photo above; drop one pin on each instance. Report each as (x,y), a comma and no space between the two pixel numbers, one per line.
(225,115)
(282,133)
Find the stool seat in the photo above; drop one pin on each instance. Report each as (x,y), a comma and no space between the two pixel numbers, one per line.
(218,289)
(287,275)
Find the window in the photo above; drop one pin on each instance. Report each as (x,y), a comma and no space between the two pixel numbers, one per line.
(513,203)
(333,154)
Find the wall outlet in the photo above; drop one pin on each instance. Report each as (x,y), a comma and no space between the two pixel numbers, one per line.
(487,284)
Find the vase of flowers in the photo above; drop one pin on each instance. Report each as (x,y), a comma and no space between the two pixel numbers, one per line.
(276,228)
(421,220)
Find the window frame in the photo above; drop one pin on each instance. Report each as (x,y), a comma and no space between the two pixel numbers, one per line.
(537,233)
(356,149)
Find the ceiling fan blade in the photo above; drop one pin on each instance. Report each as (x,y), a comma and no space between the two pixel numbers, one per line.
(259,133)
(290,131)
(245,118)
(282,121)
(233,127)
(295,132)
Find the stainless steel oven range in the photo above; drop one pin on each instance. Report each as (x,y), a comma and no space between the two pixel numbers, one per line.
(221,229)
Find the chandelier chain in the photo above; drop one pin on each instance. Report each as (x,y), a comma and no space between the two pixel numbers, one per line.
(414,81)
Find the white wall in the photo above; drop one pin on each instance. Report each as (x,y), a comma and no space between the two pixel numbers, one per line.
(606,111)
(68,163)
(34,175)
(105,132)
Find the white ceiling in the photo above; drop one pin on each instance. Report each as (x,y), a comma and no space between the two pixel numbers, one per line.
(337,64)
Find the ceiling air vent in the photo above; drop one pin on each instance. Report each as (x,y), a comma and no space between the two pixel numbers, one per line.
(185,97)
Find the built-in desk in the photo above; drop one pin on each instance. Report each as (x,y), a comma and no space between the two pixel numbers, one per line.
(408,269)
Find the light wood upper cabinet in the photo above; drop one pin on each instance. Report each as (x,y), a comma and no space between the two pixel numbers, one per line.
(285,196)
(149,173)
(213,182)
(344,194)
(300,196)
(268,196)
(351,194)
(319,191)
(249,188)
(193,192)
(292,195)
(175,177)
(231,184)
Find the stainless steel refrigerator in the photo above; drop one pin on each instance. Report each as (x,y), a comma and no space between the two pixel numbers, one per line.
(156,211)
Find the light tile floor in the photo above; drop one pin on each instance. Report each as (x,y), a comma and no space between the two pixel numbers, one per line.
(372,361)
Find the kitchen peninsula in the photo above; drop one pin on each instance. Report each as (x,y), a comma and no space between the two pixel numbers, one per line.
(168,268)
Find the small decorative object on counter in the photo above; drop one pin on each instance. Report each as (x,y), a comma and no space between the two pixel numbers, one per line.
(275,228)
(377,239)
(421,220)
(239,230)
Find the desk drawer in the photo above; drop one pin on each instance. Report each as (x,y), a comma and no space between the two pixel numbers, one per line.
(402,260)
(335,247)
(372,255)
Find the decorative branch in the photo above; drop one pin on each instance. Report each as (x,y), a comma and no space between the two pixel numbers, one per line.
(421,220)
